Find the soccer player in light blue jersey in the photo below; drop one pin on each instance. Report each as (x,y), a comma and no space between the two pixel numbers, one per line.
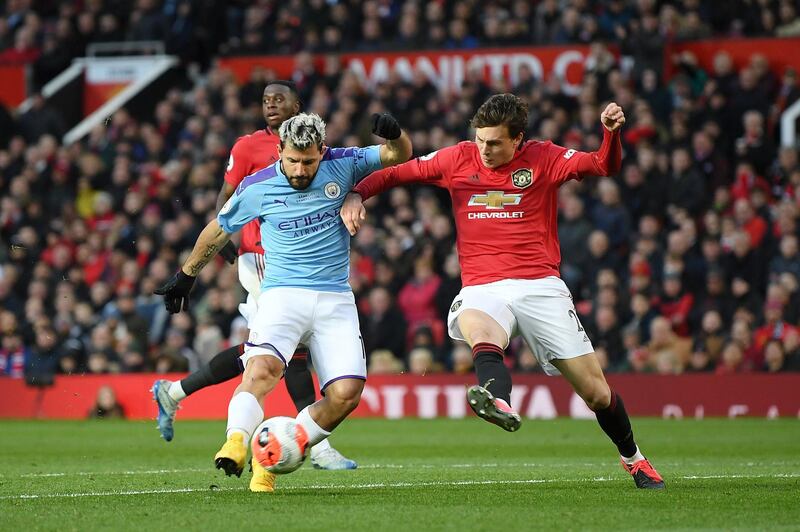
(305,291)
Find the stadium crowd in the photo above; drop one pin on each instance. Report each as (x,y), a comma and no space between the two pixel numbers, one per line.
(688,261)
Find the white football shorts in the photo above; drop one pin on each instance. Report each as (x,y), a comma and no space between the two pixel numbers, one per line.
(251,272)
(541,310)
(326,322)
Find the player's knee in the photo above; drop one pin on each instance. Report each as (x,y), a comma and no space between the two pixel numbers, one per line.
(344,397)
(598,397)
(264,370)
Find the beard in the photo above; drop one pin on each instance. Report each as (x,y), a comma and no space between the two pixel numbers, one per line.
(299,183)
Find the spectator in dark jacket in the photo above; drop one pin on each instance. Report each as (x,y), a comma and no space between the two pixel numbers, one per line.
(686,187)
(42,359)
(383,325)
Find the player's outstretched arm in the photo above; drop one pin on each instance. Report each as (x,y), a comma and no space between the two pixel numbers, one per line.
(606,161)
(430,169)
(177,289)
(397,148)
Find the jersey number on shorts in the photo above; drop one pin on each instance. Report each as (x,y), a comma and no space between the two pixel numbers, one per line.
(575,316)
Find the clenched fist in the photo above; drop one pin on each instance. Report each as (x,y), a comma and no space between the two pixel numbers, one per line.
(386,126)
(612,117)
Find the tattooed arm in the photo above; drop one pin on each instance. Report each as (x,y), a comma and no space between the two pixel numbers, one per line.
(210,241)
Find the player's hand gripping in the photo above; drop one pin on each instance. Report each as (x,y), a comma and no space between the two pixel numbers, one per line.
(176,292)
(612,117)
(353,212)
(228,252)
(385,126)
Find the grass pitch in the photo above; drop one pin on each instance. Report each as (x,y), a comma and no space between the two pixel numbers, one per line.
(413,475)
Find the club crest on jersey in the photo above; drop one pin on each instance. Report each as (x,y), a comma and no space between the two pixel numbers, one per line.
(230,163)
(522,178)
(456,305)
(332,190)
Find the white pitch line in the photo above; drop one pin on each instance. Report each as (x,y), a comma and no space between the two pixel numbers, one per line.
(370,466)
(97,473)
(379,485)
(363,466)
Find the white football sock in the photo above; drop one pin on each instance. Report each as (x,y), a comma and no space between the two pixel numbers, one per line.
(244,415)
(322,446)
(633,459)
(315,433)
(176,391)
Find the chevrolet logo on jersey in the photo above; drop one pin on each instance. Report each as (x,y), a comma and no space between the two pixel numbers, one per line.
(494,199)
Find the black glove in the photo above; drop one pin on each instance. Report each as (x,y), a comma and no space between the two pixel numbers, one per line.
(228,252)
(176,292)
(385,126)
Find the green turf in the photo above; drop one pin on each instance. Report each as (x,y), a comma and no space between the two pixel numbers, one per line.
(415,475)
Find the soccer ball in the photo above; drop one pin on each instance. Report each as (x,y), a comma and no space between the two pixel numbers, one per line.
(280,444)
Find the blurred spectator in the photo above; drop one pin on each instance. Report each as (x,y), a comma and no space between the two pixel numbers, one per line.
(774,328)
(417,298)
(42,359)
(383,325)
(40,120)
(675,303)
(667,352)
(421,361)
(610,216)
(731,360)
(700,360)
(461,359)
(106,405)
(686,188)
(606,334)
(573,235)
(12,356)
(383,362)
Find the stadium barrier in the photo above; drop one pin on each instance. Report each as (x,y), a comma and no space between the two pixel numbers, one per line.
(439,395)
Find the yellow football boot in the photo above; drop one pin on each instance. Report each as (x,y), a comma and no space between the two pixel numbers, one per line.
(263,480)
(232,456)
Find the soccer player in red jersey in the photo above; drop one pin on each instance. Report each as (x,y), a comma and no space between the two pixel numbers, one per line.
(504,194)
(249,154)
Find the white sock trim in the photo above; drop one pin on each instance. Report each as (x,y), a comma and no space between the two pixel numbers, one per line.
(315,433)
(244,415)
(633,459)
(176,391)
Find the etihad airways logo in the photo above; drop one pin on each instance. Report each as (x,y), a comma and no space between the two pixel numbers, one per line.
(494,200)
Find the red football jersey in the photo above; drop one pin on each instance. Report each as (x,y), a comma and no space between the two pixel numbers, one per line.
(506,217)
(250,154)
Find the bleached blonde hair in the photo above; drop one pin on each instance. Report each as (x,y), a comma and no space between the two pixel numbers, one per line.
(303,131)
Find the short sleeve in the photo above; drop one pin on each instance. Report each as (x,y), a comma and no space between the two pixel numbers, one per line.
(366,160)
(242,207)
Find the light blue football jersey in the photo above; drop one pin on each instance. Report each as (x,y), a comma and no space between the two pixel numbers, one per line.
(306,243)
